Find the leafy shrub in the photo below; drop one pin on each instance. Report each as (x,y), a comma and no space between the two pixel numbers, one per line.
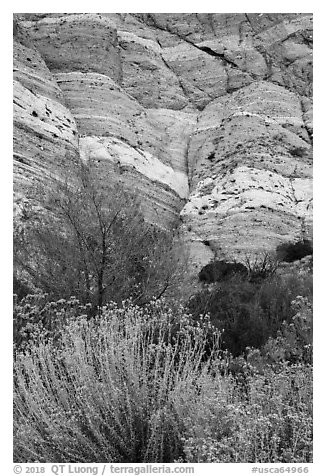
(298,151)
(274,423)
(109,389)
(135,386)
(290,252)
(230,307)
(249,312)
(294,340)
(20,287)
(220,271)
(255,269)
(37,318)
(261,410)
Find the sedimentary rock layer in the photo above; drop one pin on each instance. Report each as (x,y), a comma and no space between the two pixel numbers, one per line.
(45,133)
(250,169)
(207,116)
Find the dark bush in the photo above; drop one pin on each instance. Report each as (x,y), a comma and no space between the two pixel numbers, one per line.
(248,312)
(294,340)
(290,252)
(230,308)
(298,152)
(20,288)
(220,271)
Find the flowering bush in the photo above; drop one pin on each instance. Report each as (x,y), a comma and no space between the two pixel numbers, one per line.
(36,318)
(108,390)
(137,385)
(264,413)
(272,422)
(250,312)
(294,340)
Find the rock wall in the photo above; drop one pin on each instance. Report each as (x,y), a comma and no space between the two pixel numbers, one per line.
(250,172)
(207,116)
(45,132)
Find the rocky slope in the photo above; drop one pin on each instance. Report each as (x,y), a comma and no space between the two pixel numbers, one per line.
(207,116)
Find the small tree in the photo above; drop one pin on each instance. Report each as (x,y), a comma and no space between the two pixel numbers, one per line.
(93,242)
(261,266)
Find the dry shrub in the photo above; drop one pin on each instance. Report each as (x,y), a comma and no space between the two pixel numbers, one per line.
(273,425)
(137,385)
(108,390)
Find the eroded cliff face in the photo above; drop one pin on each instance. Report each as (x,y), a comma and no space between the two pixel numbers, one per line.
(207,116)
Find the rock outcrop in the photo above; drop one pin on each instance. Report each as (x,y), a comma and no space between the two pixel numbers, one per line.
(250,169)
(45,132)
(207,116)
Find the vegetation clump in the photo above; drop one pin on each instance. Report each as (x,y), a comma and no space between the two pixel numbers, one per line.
(249,310)
(290,252)
(219,270)
(110,389)
(82,240)
(106,369)
(136,385)
(298,151)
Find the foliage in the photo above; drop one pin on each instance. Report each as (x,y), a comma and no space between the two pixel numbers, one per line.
(92,243)
(108,389)
(290,252)
(261,266)
(228,379)
(271,423)
(249,312)
(21,287)
(220,271)
(36,318)
(293,342)
(135,385)
(298,151)
(264,412)
(256,268)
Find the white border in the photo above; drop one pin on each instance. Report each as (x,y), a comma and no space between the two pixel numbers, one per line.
(319,186)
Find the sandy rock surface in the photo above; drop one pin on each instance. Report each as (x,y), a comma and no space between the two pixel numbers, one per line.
(207,116)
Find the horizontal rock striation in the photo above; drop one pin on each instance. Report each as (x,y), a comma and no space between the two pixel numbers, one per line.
(161,188)
(45,132)
(75,42)
(250,169)
(207,116)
